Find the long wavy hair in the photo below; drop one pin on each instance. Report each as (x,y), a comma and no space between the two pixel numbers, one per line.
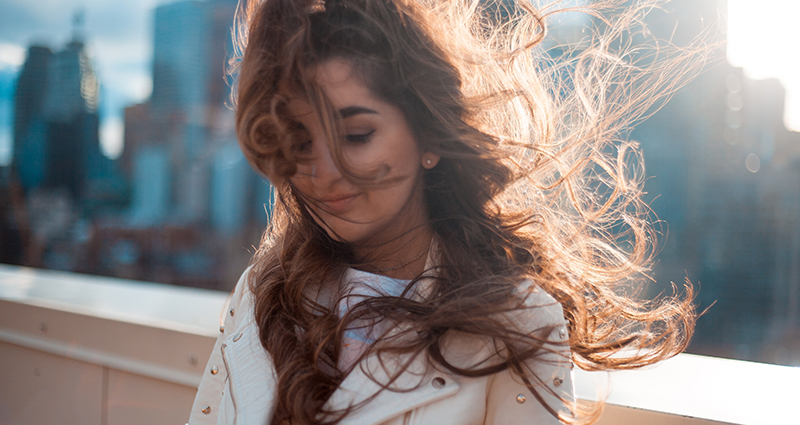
(536,181)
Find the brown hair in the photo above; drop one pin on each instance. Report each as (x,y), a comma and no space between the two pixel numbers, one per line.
(536,181)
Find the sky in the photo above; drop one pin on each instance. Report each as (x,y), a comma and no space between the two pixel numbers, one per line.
(119,37)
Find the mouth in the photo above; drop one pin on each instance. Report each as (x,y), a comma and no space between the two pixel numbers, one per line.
(338,203)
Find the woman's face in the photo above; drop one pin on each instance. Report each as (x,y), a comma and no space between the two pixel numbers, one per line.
(377,137)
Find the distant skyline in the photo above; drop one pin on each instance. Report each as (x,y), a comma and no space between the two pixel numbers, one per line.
(119,36)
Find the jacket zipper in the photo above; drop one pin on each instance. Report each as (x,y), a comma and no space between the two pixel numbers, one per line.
(230,384)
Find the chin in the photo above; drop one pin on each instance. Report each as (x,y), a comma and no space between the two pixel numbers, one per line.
(346,237)
(343,234)
(345,231)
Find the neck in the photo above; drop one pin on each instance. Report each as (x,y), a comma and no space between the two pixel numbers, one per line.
(402,258)
(400,250)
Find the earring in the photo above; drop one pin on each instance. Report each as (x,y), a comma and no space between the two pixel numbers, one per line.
(429,160)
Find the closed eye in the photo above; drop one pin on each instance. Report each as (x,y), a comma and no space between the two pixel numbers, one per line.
(303,146)
(359,138)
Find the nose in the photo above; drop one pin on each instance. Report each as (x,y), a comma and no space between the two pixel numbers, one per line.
(323,168)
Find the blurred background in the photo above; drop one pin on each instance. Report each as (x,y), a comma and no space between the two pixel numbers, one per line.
(118,156)
(117,148)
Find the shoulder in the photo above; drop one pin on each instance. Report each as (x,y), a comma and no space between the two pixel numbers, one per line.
(241,302)
(242,291)
(538,311)
(549,372)
(539,389)
(533,313)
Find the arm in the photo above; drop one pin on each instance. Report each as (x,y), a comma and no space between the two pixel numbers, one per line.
(209,393)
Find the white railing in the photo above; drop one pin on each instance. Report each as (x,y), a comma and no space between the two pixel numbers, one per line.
(81,349)
(78,349)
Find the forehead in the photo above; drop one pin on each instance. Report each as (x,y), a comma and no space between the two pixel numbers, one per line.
(342,87)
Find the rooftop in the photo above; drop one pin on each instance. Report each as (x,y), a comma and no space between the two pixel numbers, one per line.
(137,351)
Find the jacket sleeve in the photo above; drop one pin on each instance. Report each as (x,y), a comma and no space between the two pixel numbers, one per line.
(509,401)
(209,393)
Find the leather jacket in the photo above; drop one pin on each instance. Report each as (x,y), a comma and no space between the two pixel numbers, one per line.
(238,386)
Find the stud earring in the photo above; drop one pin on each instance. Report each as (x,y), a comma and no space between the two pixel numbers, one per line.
(428,162)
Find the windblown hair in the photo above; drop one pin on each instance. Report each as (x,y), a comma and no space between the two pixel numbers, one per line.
(536,180)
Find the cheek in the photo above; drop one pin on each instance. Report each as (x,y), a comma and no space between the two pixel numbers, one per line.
(395,161)
(402,197)
(405,156)
(300,185)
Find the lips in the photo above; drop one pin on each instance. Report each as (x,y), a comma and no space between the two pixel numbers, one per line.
(338,203)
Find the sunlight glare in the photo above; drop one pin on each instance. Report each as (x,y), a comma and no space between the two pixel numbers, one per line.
(112,137)
(762,39)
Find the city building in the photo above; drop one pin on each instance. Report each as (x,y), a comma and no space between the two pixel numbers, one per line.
(59,179)
(187,112)
(56,123)
(29,158)
(725,188)
(182,157)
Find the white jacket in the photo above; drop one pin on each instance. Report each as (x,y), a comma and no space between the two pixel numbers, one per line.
(239,382)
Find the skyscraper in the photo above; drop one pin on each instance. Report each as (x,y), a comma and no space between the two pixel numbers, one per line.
(180,60)
(56,122)
(188,65)
(187,107)
(726,187)
(29,126)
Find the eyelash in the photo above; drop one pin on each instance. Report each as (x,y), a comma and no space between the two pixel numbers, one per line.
(359,139)
(356,139)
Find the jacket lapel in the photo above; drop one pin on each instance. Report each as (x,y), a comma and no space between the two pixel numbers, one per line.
(250,367)
(416,386)
(251,376)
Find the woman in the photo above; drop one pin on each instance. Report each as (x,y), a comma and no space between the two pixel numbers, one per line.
(453,228)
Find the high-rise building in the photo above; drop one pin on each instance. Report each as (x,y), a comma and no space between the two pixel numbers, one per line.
(71,113)
(29,158)
(725,185)
(151,176)
(187,111)
(56,126)
(73,87)
(180,60)
(230,188)
(70,109)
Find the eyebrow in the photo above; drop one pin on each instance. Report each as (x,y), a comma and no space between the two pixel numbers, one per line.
(355,110)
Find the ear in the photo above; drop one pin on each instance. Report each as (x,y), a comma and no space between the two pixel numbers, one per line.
(429,160)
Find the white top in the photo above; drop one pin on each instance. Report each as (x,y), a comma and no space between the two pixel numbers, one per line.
(359,286)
